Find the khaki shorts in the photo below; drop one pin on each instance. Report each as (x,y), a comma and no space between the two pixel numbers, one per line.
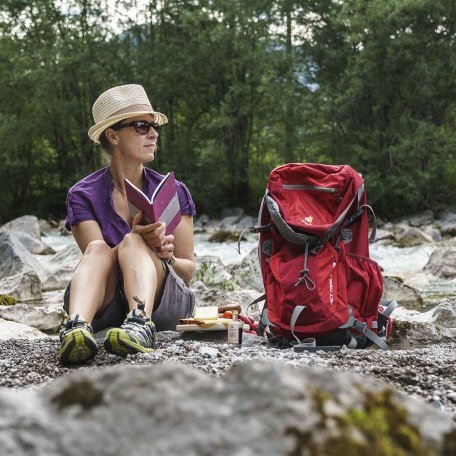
(177,302)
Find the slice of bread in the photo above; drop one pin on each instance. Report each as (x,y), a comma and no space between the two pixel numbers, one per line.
(206,313)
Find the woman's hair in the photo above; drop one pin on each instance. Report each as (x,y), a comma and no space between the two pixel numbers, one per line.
(105,145)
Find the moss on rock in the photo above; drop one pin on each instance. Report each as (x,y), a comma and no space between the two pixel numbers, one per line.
(82,392)
(378,427)
(224,236)
(401,330)
(7,300)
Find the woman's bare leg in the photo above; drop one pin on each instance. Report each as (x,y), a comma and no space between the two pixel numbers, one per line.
(94,281)
(143,273)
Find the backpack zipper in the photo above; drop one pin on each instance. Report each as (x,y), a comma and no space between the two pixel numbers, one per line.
(310,187)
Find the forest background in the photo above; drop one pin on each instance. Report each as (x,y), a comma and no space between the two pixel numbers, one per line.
(246,85)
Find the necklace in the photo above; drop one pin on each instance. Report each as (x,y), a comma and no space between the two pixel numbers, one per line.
(118,188)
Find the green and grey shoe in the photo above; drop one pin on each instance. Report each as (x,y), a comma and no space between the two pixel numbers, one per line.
(136,335)
(77,342)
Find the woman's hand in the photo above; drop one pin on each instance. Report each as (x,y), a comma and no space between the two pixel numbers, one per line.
(153,234)
(167,250)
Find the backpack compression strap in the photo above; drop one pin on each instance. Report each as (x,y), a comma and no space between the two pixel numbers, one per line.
(310,344)
(362,328)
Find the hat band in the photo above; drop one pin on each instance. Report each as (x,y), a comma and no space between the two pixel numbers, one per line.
(133,108)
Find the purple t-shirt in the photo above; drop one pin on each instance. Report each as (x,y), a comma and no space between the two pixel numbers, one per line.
(91,199)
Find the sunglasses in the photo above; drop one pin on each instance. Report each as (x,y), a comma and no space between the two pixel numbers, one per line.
(141,126)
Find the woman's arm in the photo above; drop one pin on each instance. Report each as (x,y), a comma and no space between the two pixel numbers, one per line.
(86,232)
(182,248)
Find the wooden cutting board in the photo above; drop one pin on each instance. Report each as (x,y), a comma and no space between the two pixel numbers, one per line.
(210,325)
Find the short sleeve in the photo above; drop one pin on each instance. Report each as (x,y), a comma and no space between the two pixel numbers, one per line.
(185,200)
(79,209)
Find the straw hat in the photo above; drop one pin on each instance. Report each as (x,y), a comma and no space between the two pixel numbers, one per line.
(121,103)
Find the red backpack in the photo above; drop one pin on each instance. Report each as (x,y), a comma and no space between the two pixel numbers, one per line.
(322,289)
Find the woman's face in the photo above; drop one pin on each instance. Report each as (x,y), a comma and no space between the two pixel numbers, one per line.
(134,145)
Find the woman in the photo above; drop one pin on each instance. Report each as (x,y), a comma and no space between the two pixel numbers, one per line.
(126,266)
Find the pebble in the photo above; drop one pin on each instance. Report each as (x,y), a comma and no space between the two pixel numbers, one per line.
(208,351)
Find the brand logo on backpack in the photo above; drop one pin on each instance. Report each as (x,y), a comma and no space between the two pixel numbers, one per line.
(331,290)
(308,220)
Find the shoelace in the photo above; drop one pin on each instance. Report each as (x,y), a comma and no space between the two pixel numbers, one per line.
(141,331)
(73,324)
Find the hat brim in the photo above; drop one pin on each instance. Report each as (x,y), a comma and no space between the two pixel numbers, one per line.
(96,130)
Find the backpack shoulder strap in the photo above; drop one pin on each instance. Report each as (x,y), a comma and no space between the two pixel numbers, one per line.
(284,229)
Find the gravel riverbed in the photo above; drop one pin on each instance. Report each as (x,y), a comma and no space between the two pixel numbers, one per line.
(426,373)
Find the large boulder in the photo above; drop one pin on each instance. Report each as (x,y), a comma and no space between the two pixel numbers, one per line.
(24,286)
(405,295)
(447,223)
(26,224)
(47,318)
(417,220)
(412,236)
(15,258)
(61,267)
(433,232)
(10,330)
(211,271)
(35,246)
(413,329)
(442,262)
(415,334)
(445,314)
(247,274)
(265,408)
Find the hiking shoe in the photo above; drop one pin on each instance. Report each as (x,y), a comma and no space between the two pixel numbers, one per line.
(136,335)
(77,342)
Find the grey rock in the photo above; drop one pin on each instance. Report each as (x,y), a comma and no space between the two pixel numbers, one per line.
(211,352)
(417,220)
(24,286)
(211,271)
(405,295)
(201,224)
(252,340)
(45,225)
(412,236)
(442,262)
(202,220)
(447,223)
(62,230)
(27,224)
(382,234)
(247,274)
(308,409)
(413,334)
(47,318)
(244,223)
(10,330)
(229,223)
(33,245)
(198,285)
(237,212)
(61,268)
(15,258)
(445,314)
(432,231)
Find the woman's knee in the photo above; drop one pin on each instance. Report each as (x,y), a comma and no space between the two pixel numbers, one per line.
(99,248)
(132,241)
